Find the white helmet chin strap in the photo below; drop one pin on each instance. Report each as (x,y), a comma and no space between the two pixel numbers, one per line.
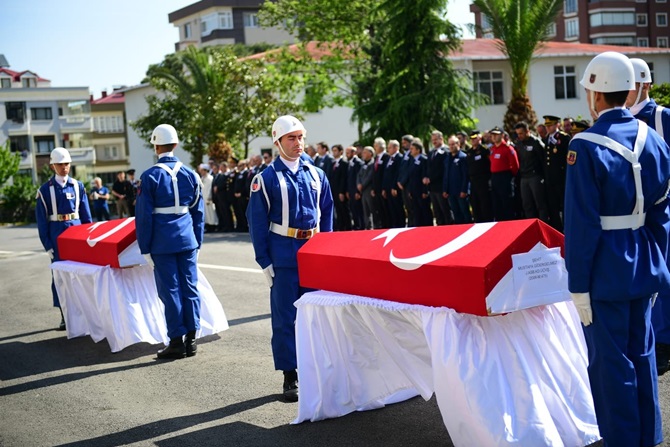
(594,112)
(283,152)
(639,94)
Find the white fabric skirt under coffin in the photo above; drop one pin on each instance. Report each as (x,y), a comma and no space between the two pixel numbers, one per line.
(518,379)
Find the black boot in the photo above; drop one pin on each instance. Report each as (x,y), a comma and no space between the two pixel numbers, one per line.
(175,350)
(662,358)
(189,342)
(61,326)
(291,386)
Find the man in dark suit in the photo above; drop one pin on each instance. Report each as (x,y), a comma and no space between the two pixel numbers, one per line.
(391,193)
(435,177)
(338,186)
(323,159)
(353,195)
(417,189)
(379,209)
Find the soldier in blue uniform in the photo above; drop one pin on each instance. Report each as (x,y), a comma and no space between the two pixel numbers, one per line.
(290,202)
(170,227)
(616,243)
(61,203)
(658,118)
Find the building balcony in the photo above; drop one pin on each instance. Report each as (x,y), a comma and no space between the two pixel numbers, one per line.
(82,155)
(75,123)
(15,128)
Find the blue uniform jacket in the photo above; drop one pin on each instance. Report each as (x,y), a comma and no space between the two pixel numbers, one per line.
(418,169)
(65,204)
(265,206)
(455,174)
(616,265)
(169,233)
(648,115)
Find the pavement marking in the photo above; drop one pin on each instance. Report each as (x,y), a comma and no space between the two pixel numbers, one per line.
(13,254)
(232,269)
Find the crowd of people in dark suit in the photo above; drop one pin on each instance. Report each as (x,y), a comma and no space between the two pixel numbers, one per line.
(462,178)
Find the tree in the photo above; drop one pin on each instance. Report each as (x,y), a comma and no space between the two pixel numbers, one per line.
(9,163)
(521,27)
(416,89)
(661,94)
(210,96)
(367,49)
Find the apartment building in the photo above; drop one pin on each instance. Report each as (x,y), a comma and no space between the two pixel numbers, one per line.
(109,137)
(36,118)
(638,23)
(223,22)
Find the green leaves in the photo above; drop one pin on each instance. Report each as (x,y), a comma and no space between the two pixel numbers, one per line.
(9,163)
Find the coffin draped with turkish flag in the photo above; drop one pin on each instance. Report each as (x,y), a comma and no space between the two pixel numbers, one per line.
(481,269)
(112,243)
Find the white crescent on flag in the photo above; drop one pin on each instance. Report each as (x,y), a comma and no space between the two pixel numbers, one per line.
(450,247)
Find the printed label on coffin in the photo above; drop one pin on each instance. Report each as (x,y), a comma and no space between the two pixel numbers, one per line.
(456,266)
(112,243)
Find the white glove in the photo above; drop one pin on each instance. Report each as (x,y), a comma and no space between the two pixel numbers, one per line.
(269,274)
(50,252)
(583,304)
(150,261)
(653,299)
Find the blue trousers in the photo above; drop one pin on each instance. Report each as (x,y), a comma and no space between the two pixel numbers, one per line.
(660,318)
(461,209)
(622,372)
(176,281)
(284,292)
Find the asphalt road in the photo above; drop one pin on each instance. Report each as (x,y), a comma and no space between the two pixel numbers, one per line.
(60,392)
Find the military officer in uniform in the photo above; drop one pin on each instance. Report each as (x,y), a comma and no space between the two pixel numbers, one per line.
(556,150)
(579,126)
(616,246)
(290,202)
(61,203)
(170,226)
(658,118)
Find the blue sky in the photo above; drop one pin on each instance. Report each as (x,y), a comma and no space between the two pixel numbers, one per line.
(101,43)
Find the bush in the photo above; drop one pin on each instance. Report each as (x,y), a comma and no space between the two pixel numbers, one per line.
(19,200)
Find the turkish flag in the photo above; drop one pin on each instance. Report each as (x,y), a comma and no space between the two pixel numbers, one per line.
(456,266)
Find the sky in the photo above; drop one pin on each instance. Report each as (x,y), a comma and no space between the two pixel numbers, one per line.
(101,44)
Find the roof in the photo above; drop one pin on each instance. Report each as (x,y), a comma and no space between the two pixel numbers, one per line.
(16,75)
(487,49)
(315,49)
(115,98)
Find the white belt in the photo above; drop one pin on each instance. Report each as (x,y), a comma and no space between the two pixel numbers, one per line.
(63,217)
(171,210)
(295,233)
(631,221)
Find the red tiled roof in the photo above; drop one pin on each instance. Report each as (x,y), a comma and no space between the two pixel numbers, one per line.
(115,98)
(315,49)
(487,49)
(16,75)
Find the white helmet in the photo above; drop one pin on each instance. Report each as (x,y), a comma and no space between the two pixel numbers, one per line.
(642,72)
(164,134)
(285,124)
(60,155)
(609,72)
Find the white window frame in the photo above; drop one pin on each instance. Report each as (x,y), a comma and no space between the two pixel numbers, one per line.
(251,20)
(187,31)
(29,82)
(574,10)
(642,42)
(569,22)
(662,42)
(664,15)
(495,81)
(566,76)
(551,30)
(5,82)
(225,20)
(110,152)
(641,16)
(35,110)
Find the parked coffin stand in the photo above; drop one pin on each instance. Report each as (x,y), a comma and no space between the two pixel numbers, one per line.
(108,291)
(478,314)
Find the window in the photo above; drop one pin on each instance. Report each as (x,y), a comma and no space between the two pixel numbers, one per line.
(250,20)
(108,124)
(16,111)
(486,23)
(662,42)
(651,69)
(226,20)
(662,19)
(44,145)
(626,41)
(570,7)
(19,143)
(661,1)
(41,113)
(187,31)
(565,82)
(490,84)
(641,19)
(111,152)
(572,28)
(642,41)
(5,83)
(612,18)
(551,30)
(70,108)
(29,82)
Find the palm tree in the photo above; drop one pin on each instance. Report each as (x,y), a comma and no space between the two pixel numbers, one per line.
(521,27)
